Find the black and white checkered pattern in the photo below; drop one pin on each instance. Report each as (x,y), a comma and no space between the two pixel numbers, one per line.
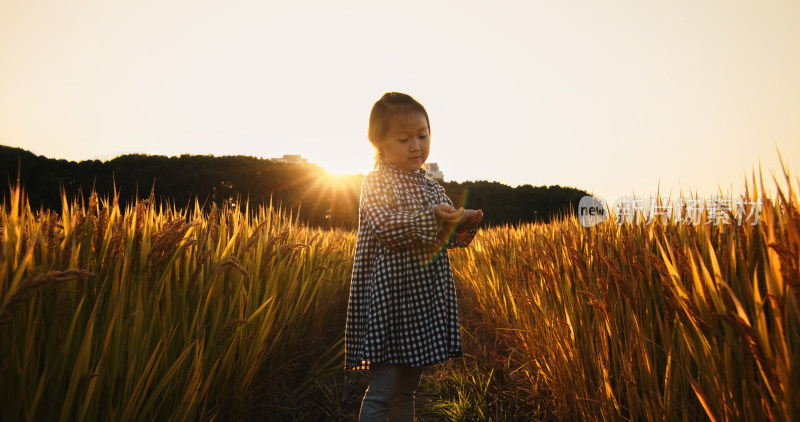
(402,307)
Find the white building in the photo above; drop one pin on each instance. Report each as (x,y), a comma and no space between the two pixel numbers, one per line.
(432,171)
(290,159)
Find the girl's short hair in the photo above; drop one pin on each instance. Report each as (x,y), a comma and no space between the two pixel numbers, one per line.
(390,104)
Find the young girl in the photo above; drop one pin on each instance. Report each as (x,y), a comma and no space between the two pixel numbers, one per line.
(402,313)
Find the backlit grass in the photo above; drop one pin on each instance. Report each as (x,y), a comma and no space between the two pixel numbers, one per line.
(154,313)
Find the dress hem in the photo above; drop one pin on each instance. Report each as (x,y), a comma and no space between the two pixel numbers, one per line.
(364,365)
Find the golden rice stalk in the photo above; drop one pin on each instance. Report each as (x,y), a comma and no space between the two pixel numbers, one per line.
(30,286)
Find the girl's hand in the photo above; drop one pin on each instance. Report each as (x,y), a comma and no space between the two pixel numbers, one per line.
(447,213)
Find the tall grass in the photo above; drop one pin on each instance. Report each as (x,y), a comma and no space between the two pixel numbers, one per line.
(155,313)
(659,321)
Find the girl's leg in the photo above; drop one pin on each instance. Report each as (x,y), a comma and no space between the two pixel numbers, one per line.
(403,402)
(378,397)
(391,387)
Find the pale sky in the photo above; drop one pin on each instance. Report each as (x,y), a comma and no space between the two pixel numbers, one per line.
(609,96)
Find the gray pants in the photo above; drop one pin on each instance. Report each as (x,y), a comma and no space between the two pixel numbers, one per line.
(390,393)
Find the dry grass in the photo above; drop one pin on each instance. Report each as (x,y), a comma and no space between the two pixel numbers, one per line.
(642,322)
(154,313)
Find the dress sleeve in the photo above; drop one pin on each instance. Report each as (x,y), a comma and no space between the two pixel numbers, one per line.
(395,229)
(462,238)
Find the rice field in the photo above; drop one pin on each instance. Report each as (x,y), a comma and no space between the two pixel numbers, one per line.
(154,313)
(656,321)
(157,313)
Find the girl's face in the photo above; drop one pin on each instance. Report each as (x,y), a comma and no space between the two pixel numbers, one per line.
(408,141)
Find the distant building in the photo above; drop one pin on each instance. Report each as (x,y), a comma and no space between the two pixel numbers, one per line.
(432,171)
(290,159)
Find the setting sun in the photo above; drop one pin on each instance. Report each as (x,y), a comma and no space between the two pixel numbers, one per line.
(613,97)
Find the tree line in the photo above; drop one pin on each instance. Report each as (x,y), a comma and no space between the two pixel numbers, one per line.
(311,194)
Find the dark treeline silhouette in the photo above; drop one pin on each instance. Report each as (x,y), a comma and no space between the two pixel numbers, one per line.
(313,196)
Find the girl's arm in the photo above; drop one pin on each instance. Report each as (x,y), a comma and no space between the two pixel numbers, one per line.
(397,230)
(455,240)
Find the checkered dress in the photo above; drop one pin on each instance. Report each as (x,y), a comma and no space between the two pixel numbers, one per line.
(402,307)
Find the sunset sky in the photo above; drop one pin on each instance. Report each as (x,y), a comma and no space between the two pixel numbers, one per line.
(609,96)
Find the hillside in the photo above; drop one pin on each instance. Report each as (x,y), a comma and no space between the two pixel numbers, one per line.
(312,195)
